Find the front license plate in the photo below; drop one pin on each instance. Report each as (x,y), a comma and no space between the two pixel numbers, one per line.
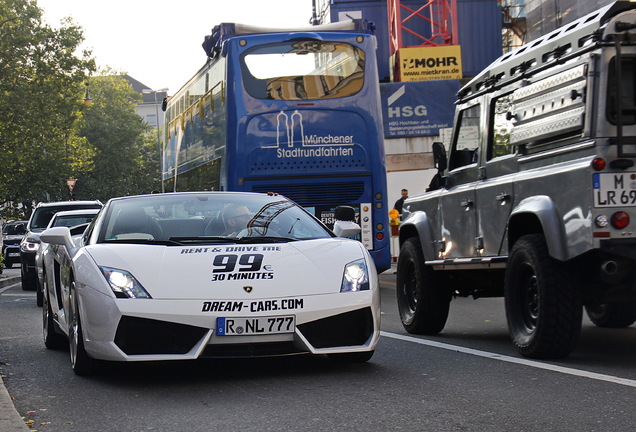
(614,190)
(255,326)
(14,254)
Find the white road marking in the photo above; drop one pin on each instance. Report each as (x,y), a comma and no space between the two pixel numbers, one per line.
(2,290)
(520,361)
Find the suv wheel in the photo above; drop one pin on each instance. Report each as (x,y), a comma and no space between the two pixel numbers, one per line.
(28,279)
(423,302)
(543,308)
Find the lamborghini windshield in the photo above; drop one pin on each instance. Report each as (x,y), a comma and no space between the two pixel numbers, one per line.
(207,217)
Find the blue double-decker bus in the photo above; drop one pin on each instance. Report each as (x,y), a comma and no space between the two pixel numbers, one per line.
(296,112)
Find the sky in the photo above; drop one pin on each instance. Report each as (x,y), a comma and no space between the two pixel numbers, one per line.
(158,42)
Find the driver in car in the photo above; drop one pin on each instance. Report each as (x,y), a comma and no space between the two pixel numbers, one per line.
(235,218)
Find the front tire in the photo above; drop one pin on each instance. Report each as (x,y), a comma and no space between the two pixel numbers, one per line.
(28,279)
(81,362)
(39,300)
(423,302)
(612,315)
(52,339)
(543,308)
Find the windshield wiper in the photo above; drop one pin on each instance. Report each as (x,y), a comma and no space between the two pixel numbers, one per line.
(204,239)
(265,239)
(143,241)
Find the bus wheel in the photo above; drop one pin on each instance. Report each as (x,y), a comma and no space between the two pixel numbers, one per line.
(612,315)
(543,308)
(423,302)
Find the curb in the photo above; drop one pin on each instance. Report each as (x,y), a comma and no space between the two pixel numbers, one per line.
(10,418)
(10,280)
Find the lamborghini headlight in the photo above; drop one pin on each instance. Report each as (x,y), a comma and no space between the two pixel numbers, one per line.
(356,277)
(123,284)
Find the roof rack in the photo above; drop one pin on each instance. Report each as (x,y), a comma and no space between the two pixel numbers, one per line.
(563,43)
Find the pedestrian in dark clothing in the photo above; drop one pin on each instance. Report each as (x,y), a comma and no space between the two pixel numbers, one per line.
(399,203)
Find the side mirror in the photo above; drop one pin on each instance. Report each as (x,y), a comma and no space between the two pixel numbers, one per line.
(346,229)
(164,104)
(439,157)
(59,236)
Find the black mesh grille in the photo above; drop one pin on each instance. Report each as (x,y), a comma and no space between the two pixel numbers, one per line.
(251,350)
(311,194)
(347,329)
(137,336)
(308,165)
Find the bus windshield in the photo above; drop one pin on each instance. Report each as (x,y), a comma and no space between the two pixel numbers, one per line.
(303,70)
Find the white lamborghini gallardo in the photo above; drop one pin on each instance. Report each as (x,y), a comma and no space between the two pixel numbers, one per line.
(209,274)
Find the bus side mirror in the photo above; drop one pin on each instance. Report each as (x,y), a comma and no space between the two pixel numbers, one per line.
(345,225)
(345,213)
(164,104)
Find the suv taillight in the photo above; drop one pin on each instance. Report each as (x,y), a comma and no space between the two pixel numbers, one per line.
(599,164)
(620,220)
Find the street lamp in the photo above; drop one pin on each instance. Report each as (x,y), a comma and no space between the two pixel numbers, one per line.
(87,97)
(148,91)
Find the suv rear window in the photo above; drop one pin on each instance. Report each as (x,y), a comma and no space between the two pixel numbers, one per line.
(625,88)
(42,215)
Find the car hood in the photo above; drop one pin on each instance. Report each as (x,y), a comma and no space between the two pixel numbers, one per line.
(233,271)
(17,237)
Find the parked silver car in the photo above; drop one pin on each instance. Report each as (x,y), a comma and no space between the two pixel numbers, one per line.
(77,220)
(38,221)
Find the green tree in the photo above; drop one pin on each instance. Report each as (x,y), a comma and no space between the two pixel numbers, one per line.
(126,159)
(41,87)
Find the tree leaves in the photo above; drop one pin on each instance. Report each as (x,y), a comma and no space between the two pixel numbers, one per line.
(121,140)
(40,91)
(47,134)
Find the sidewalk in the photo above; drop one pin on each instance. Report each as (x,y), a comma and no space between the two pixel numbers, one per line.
(10,419)
(6,280)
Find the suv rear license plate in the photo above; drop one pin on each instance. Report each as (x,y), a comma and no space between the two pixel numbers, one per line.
(255,326)
(614,190)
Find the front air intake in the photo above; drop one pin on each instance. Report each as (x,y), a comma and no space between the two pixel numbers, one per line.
(141,336)
(348,329)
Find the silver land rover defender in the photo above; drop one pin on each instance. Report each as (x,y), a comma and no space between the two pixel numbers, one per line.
(538,192)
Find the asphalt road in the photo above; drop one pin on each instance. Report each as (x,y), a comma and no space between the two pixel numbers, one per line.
(469,378)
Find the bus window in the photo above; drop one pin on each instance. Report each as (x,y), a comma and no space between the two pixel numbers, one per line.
(466,143)
(303,70)
(499,138)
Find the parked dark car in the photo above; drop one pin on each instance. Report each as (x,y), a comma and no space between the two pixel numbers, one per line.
(12,233)
(38,222)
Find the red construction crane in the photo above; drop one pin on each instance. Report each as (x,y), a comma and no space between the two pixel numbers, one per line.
(431,25)
(434,23)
